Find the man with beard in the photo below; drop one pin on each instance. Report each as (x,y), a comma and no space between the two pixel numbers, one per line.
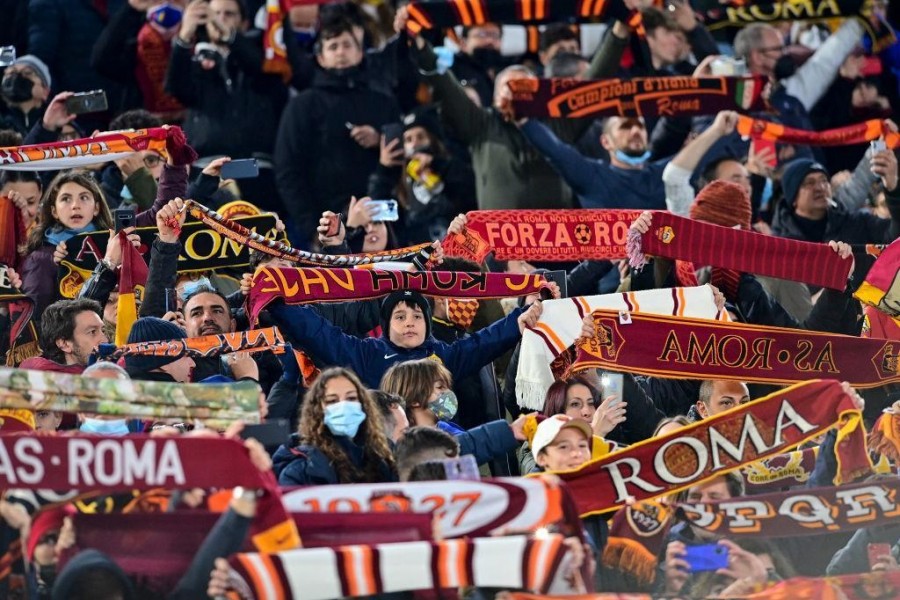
(71,330)
(628,180)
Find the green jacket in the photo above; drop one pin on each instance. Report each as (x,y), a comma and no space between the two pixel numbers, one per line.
(509,172)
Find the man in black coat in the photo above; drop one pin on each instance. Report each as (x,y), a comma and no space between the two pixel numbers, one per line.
(328,140)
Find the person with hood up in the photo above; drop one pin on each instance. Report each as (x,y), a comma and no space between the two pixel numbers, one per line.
(406,335)
(158,368)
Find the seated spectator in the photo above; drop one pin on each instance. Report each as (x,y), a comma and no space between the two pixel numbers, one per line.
(341,437)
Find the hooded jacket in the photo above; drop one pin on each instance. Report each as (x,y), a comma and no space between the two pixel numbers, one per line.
(86,561)
(318,166)
(307,465)
(371,357)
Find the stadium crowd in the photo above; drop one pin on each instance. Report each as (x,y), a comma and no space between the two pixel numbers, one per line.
(349,128)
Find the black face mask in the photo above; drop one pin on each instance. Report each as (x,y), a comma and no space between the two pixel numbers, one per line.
(16,88)
(785,67)
(488,58)
(47,575)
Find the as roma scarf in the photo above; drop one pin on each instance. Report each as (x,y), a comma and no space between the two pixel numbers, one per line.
(299,286)
(544,354)
(637,535)
(442,14)
(516,562)
(43,390)
(275,59)
(205,346)
(482,508)
(842,136)
(132,279)
(202,250)
(675,237)
(14,236)
(543,235)
(233,230)
(641,96)
(723,443)
(681,347)
(23,340)
(799,512)
(881,287)
(105,147)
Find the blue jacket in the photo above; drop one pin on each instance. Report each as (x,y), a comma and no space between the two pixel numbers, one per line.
(485,442)
(597,183)
(371,357)
(307,465)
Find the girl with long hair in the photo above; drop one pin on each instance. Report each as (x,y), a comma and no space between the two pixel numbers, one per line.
(341,436)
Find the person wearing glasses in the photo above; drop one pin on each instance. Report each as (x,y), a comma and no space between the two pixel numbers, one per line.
(24,89)
(479,59)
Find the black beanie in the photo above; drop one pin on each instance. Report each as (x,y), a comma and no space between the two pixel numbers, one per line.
(151,329)
(388,304)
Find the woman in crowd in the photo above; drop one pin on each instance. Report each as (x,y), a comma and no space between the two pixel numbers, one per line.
(342,439)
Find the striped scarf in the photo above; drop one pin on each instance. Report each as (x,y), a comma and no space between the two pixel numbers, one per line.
(852,134)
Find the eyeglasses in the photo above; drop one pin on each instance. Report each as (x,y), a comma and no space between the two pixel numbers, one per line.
(152,160)
(767,49)
(482,34)
(182,427)
(815,182)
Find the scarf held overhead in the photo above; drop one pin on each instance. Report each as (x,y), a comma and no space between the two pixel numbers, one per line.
(418,255)
(723,443)
(516,562)
(105,147)
(705,244)
(560,326)
(205,346)
(641,96)
(859,133)
(543,235)
(881,287)
(681,347)
(298,286)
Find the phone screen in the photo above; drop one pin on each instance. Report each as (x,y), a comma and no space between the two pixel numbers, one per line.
(386,210)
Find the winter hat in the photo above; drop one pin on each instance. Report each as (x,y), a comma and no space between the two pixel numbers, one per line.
(46,521)
(549,428)
(425,117)
(794,174)
(723,203)
(37,65)
(85,562)
(16,419)
(387,307)
(151,329)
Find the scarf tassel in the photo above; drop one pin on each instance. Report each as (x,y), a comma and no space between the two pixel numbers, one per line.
(632,558)
(636,258)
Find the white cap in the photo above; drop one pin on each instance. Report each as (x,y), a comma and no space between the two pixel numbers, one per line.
(550,427)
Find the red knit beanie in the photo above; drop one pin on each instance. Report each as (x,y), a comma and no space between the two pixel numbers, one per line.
(722,203)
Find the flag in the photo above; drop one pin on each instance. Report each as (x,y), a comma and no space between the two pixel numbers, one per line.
(132,278)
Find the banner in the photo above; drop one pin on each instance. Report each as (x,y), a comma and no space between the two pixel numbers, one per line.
(842,136)
(543,235)
(298,286)
(515,562)
(418,255)
(23,338)
(799,512)
(641,96)
(441,14)
(111,464)
(132,278)
(44,390)
(722,443)
(205,346)
(202,249)
(705,244)
(462,508)
(681,347)
(544,348)
(104,147)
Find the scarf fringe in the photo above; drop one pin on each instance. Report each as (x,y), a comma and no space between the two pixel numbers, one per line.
(630,557)
(636,258)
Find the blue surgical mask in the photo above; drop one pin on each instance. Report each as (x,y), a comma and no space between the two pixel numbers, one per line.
(305,36)
(165,16)
(103,427)
(634,161)
(444,406)
(344,418)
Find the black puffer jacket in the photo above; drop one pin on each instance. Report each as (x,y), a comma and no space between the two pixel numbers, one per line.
(318,166)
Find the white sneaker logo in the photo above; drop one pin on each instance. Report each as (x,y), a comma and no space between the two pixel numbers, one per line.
(387,356)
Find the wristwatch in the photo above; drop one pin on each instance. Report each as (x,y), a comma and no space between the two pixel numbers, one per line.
(242,493)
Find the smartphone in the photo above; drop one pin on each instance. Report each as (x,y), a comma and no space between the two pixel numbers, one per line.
(171,300)
(559,278)
(463,468)
(391,132)
(125,217)
(270,434)
(244,168)
(7,55)
(613,384)
(877,145)
(334,225)
(386,210)
(86,102)
(876,551)
(728,67)
(760,145)
(707,557)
